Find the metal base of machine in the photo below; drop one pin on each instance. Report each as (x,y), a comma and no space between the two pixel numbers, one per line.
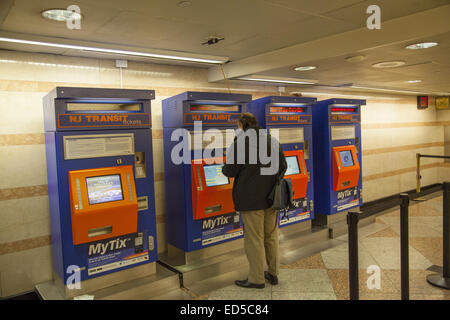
(143,282)
(438,280)
(303,240)
(206,263)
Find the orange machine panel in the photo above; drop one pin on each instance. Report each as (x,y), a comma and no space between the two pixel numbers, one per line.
(345,167)
(297,172)
(211,190)
(103,203)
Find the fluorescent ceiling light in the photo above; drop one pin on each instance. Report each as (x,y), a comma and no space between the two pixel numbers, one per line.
(114,51)
(421,45)
(61,15)
(385,90)
(277,80)
(414,81)
(305,68)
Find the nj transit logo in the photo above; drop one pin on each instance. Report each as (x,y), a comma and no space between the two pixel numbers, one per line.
(103,120)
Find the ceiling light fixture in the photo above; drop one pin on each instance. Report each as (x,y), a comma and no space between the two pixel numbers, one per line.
(184,3)
(278,80)
(61,15)
(355,58)
(305,68)
(414,81)
(389,64)
(421,45)
(116,51)
(386,90)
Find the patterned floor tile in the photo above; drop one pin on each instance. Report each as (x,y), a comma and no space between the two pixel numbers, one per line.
(337,258)
(418,284)
(430,248)
(386,233)
(313,262)
(340,282)
(386,252)
(303,280)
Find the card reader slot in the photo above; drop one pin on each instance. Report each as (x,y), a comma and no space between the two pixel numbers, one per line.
(345,183)
(357,144)
(306,149)
(213,209)
(99,231)
(142,203)
(200,186)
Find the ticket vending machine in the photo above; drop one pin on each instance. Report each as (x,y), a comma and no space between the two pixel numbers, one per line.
(201,220)
(337,161)
(100,186)
(292,118)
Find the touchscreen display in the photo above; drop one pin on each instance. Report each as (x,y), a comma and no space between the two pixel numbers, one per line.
(104,189)
(214,176)
(292,166)
(346,158)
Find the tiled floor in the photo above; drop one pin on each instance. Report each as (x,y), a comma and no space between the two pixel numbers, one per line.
(325,275)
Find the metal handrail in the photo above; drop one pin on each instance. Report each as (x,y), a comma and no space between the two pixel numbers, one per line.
(353,260)
(418,156)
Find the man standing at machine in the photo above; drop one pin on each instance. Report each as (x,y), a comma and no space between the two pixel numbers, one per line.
(253,183)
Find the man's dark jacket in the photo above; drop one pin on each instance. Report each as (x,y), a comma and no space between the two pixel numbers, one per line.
(251,189)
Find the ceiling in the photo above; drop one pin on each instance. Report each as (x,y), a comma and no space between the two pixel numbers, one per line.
(250,28)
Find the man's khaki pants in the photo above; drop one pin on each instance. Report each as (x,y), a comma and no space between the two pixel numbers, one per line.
(261,239)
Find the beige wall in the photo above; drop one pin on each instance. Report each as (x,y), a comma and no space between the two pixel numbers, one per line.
(393,131)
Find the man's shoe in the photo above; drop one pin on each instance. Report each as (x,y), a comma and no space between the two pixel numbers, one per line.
(246,284)
(273,280)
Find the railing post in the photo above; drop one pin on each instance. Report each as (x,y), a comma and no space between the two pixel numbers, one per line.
(404,245)
(418,177)
(443,280)
(446,233)
(353,265)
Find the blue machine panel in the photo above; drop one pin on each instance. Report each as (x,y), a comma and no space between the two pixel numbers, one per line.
(337,124)
(93,128)
(293,116)
(215,111)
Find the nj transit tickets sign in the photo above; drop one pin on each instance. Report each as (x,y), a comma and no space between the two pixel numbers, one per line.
(103,120)
(344,118)
(211,118)
(289,119)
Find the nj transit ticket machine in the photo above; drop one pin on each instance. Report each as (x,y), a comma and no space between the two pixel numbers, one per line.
(337,161)
(199,205)
(292,117)
(100,184)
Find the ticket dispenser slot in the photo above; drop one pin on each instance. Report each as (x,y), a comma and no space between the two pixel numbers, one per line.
(103,203)
(211,190)
(346,167)
(297,172)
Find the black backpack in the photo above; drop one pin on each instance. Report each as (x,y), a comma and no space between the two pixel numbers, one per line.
(282,195)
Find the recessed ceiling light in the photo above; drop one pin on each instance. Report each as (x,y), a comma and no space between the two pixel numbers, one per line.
(356,58)
(389,64)
(305,68)
(61,15)
(421,45)
(414,81)
(184,3)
